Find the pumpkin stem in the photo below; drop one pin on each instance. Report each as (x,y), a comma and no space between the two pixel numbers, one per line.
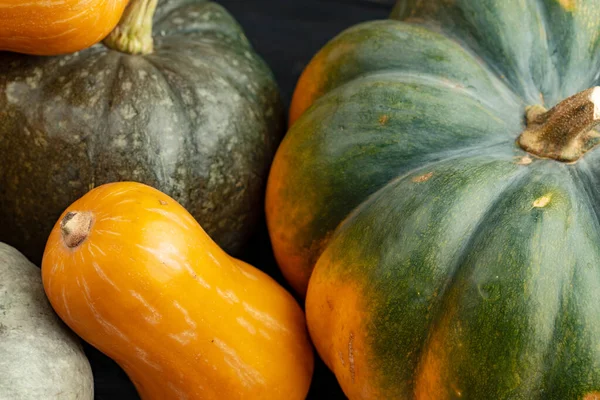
(566,131)
(75,228)
(133,34)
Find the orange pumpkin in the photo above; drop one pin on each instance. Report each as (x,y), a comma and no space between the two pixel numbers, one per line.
(56,27)
(132,273)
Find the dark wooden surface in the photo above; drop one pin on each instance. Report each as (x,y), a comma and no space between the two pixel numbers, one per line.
(286,33)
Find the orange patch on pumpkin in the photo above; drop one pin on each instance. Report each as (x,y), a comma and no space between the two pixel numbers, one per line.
(422,178)
(336,315)
(568,5)
(429,379)
(309,87)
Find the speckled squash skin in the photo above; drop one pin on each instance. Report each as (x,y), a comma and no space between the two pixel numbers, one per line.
(199,119)
(40,358)
(444,261)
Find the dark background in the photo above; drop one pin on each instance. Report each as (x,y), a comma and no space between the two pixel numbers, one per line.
(286,33)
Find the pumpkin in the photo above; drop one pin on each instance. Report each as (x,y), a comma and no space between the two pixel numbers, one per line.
(41,358)
(195,113)
(133,274)
(437,198)
(58,27)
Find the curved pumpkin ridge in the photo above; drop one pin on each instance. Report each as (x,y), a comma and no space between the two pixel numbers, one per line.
(405,320)
(220,22)
(359,252)
(341,138)
(209,28)
(520,57)
(373,47)
(542,339)
(550,53)
(384,63)
(369,254)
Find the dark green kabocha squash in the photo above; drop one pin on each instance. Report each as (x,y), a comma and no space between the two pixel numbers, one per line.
(194,112)
(437,198)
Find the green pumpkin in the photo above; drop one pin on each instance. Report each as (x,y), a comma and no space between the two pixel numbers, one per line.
(198,116)
(444,225)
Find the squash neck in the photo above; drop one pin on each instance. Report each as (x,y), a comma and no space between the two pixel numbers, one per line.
(133,34)
(565,132)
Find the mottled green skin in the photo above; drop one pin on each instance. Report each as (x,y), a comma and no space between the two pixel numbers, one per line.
(409,172)
(199,119)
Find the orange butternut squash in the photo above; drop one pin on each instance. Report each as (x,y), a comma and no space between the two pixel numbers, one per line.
(131,272)
(54,27)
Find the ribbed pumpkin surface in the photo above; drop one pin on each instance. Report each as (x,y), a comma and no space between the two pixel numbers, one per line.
(448,263)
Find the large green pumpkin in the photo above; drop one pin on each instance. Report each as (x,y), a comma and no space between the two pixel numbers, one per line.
(448,261)
(198,117)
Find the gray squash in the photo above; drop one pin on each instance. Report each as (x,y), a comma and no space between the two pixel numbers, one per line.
(196,114)
(40,358)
